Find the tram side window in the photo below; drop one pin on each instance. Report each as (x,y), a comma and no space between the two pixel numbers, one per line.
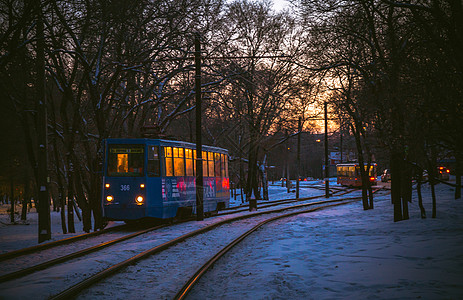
(210,162)
(217,165)
(345,171)
(179,163)
(372,171)
(194,162)
(226,166)
(222,170)
(153,161)
(189,162)
(168,161)
(204,157)
(351,171)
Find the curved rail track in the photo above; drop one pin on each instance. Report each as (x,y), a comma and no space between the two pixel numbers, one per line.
(33,249)
(75,289)
(187,287)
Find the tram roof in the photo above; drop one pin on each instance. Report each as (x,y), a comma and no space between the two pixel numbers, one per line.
(353,164)
(162,142)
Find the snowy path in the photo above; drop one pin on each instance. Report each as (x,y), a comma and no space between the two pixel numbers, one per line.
(346,253)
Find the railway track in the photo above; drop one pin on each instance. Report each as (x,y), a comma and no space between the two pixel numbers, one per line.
(188,286)
(50,245)
(52,262)
(74,290)
(34,249)
(162,245)
(244,207)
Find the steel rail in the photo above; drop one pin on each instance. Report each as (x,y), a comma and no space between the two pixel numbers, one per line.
(278,202)
(50,263)
(77,288)
(201,271)
(28,250)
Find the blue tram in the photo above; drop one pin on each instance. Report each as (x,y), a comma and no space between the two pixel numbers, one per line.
(154,178)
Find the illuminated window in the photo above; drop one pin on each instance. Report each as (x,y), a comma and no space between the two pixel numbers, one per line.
(122,163)
(125,160)
(194,162)
(204,157)
(189,162)
(222,170)
(217,164)
(179,163)
(210,162)
(168,161)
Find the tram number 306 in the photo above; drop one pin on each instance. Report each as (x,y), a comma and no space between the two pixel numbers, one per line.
(125,187)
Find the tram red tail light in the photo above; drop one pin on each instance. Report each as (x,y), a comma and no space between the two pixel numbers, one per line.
(372,179)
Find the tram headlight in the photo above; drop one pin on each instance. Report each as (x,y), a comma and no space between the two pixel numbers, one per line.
(142,186)
(107,186)
(139,200)
(109,198)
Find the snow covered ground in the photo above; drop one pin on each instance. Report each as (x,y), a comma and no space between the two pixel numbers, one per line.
(337,253)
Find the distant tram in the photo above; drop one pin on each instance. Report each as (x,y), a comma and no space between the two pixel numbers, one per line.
(349,174)
(154,178)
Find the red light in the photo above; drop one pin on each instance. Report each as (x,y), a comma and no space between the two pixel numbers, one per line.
(441,168)
(448,171)
(372,179)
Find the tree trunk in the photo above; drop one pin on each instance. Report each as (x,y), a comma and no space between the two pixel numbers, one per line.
(71,226)
(406,189)
(63,208)
(370,197)
(432,180)
(95,201)
(396,186)
(457,177)
(361,160)
(264,179)
(420,197)
(252,178)
(12,208)
(82,202)
(26,199)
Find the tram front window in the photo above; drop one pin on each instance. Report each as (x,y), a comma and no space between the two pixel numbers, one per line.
(125,160)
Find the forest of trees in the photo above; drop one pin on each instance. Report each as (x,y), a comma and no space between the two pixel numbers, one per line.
(391,72)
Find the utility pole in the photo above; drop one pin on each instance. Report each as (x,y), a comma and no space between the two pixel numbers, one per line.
(340,133)
(42,159)
(298,156)
(12,196)
(327,171)
(199,146)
